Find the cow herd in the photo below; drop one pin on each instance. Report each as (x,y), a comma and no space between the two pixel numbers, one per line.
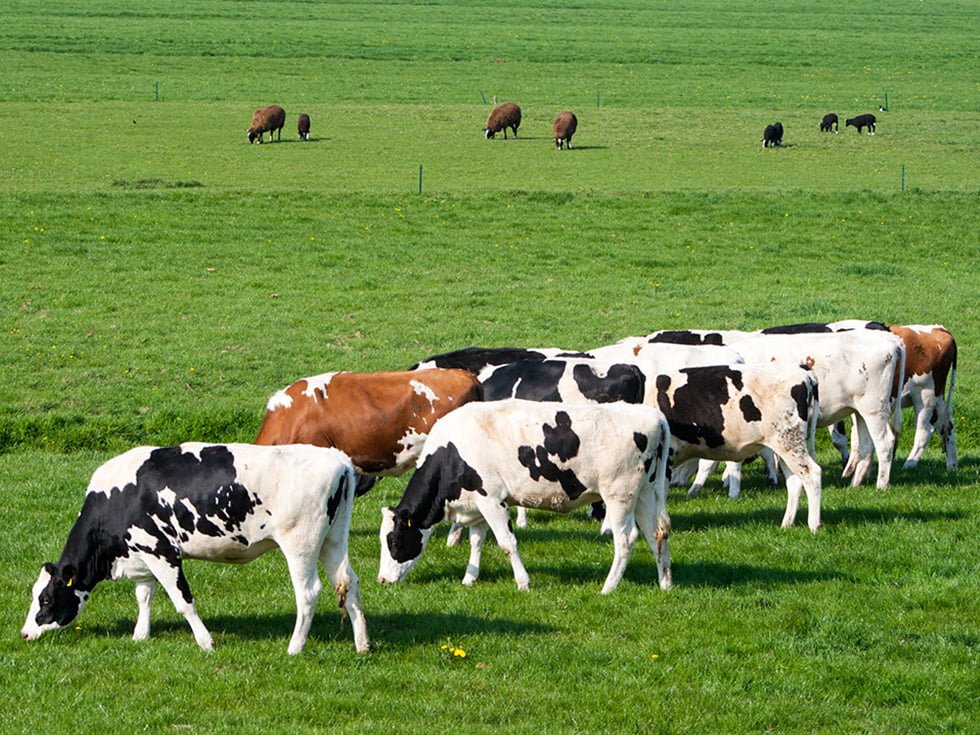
(489,428)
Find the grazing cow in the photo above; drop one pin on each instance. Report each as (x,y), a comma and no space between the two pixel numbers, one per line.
(563,128)
(379,419)
(149,508)
(931,361)
(486,456)
(303,126)
(507,115)
(266,120)
(859,374)
(830,121)
(730,412)
(654,357)
(868,121)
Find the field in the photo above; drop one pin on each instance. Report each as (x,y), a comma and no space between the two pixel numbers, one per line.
(160,278)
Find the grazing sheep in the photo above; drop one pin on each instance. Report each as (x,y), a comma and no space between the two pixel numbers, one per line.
(303,126)
(773,135)
(863,121)
(829,121)
(507,115)
(267,120)
(564,128)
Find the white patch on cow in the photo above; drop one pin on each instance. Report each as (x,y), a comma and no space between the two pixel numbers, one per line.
(279,399)
(318,382)
(411,444)
(423,390)
(31,630)
(168,496)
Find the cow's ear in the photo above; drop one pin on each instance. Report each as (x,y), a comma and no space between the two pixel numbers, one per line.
(49,568)
(68,574)
(405,517)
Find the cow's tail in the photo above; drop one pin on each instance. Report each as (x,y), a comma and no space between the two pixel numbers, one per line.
(813,411)
(949,387)
(898,386)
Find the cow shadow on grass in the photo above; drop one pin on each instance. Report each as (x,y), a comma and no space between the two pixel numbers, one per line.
(396,630)
(852,516)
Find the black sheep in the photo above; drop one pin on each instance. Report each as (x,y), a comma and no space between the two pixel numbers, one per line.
(863,121)
(829,121)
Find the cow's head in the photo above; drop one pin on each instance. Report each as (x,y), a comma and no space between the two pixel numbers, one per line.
(56,600)
(402,543)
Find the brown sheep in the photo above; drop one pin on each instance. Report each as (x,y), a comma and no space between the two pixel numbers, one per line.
(267,119)
(564,128)
(507,115)
(303,126)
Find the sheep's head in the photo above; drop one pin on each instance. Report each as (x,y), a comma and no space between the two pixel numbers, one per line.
(252,135)
(488,133)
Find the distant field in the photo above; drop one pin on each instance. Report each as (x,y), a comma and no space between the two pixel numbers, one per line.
(160,278)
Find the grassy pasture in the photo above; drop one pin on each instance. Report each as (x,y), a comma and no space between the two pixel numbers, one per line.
(160,278)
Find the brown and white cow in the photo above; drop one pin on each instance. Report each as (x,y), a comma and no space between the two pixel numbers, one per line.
(930,373)
(378,419)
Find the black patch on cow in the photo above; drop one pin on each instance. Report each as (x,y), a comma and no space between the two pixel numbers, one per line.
(101,533)
(440,479)
(695,415)
(687,337)
(534,380)
(641,441)
(801,395)
(474,359)
(750,411)
(877,325)
(801,328)
(338,495)
(622,383)
(562,442)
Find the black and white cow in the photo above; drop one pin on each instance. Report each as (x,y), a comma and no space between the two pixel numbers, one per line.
(150,507)
(654,357)
(730,412)
(483,457)
(482,360)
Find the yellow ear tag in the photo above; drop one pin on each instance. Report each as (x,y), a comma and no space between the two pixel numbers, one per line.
(408,522)
(70,582)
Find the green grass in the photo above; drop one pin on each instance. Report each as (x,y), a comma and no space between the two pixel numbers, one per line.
(160,278)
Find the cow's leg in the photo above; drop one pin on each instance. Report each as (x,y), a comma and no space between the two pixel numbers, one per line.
(336,565)
(656,530)
(144,597)
(802,472)
(861,451)
(705,468)
(478,534)
(877,428)
(498,518)
(621,521)
(171,578)
(923,405)
(683,472)
(455,534)
(772,466)
(521,517)
(307,587)
(947,434)
(732,477)
(838,437)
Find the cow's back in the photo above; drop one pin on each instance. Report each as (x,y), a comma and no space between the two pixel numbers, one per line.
(378,419)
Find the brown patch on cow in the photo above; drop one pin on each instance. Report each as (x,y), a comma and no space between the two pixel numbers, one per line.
(809,362)
(636,350)
(367,415)
(928,352)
